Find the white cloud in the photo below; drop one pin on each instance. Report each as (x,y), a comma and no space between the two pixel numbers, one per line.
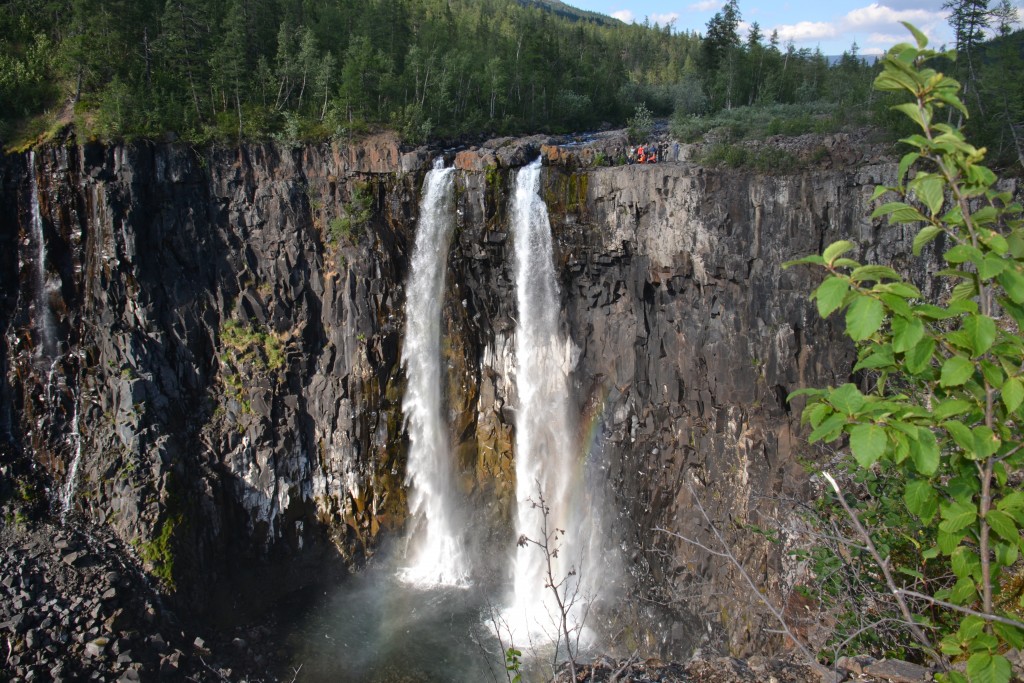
(876,15)
(664,19)
(880,22)
(806,31)
(624,15)
(704,6)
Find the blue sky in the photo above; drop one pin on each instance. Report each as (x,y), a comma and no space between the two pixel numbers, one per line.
(832,25)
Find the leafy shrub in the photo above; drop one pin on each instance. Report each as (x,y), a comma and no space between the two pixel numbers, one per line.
(938,417)
(641,124)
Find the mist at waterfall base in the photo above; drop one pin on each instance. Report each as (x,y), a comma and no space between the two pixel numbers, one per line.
(375,627)
(419,613)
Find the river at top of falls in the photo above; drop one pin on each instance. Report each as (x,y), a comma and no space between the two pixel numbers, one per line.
(436,550)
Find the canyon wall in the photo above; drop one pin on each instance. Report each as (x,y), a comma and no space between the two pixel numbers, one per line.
(228,333)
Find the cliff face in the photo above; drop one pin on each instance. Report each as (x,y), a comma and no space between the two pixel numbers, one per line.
(226,350)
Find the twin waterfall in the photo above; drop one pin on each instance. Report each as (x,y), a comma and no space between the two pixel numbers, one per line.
(437,552)
(546,455)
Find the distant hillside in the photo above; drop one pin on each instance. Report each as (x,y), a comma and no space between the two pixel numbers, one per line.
(571,13)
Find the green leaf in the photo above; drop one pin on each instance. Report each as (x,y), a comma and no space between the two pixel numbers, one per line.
(948,541)
(813,259)
(971,625)
(957,516)
(955,371)
(981,330)
(922,39)
(961,433)
(888,208)
(1013,394)
(997,243)
(993,374)
(880,357)
(899,288)
(836,249)
(986,443)
(829,430)
(1011,634)
(926,235)
(949,408)
(965,563)
(873,273)
(847,399)
(911,110)
(983,667)
(963,592)
(991,266)
(921,499)
(1007,554)
(963,252)
(829,295)
(1013,282)
(864,317)
(919,358)
(930,191)
(905,163)
(1011,501)
(924,451)
(906,333)
(868,443)
(1003,525)
(950,645)
(906,214)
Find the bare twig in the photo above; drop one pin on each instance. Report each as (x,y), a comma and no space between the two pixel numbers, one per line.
(963,610)
(625,665)
(883,565)
(727,554)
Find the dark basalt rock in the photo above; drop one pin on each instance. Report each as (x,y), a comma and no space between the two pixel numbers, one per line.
(280,442)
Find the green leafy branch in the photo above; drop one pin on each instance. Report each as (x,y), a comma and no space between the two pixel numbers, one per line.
(942,409)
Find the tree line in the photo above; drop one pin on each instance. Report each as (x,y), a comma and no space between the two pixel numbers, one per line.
(310,69)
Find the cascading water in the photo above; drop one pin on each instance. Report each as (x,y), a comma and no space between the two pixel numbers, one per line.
(67,494)
(545,452)
(44,316)
(435,545)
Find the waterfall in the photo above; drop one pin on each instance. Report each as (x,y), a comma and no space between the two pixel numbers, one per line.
(44,316)
(435,543)
(67,494)
(545,453)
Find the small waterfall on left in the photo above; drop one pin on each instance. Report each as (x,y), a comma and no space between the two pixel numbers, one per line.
(44,316)
(48,355)
(436,549)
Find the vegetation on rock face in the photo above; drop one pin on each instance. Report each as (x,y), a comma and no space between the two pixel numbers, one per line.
(159,552)
(934,506)
(354,215)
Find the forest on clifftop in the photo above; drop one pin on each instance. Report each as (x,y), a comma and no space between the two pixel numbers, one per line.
(301,70)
